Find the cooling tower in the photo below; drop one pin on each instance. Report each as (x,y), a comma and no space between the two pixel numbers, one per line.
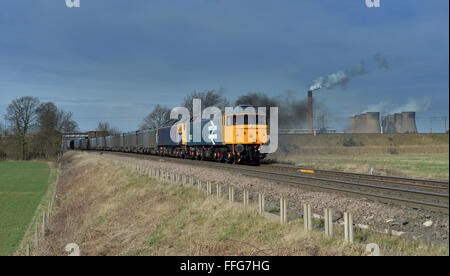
(364,128)
(357,123)
(398,123)
(352,124)
(409,122)
(384,124)
(372,122)
(390,124)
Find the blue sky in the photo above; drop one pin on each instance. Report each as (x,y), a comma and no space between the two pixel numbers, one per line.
(113,60)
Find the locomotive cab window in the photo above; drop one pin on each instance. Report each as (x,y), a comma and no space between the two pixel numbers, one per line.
(246,119)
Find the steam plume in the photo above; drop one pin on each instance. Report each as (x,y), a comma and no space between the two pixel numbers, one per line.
(412,104)
(343,76)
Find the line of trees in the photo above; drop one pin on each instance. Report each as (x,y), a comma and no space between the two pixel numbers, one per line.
(34,129)
(292,110)
(161,114)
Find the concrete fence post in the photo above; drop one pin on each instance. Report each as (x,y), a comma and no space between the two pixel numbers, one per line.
(348,227)
(261,203)
(43,223)
(28,250)
(328,217)
(245,198)
(230,193)
(199,184)
(219,190)
(36,234)
(283,211)
(307,220)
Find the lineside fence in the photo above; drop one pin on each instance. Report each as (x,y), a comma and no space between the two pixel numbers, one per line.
(251,201)
(42,218)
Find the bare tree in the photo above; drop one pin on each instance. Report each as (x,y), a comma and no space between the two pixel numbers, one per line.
(106,129)
(209,98)
(156,118)
(22,116)
(52,119)
(52,122)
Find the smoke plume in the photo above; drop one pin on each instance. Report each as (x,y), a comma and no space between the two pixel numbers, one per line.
(343,76)
(292,112)
(381,62)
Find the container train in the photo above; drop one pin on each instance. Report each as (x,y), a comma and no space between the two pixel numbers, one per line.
(236,138)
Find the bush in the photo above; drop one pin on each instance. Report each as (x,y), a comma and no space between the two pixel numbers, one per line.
(351,143)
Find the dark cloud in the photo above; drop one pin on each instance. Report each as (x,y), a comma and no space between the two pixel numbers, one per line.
(128,56)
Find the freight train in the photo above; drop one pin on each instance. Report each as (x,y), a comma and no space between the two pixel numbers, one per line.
(236,138)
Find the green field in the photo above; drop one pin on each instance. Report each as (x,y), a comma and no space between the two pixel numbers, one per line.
(22,186)
(407,155)
(432,166)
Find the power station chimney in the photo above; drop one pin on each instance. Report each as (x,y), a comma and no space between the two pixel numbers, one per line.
(409,122)
(310,113)
(372,122)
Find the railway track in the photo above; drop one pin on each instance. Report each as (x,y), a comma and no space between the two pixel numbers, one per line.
(423,184)
(416,193)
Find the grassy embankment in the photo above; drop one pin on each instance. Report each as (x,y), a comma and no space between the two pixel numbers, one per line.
(407,155)
(22,187)
(109,210)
